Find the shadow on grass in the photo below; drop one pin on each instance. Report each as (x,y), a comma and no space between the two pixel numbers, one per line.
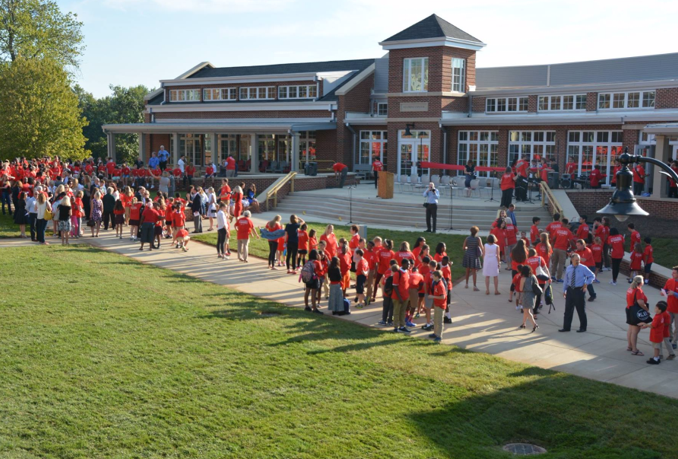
(569,416)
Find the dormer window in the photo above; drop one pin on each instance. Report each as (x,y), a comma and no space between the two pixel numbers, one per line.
(415,74)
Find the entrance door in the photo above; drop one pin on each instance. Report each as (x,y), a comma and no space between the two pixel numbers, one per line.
(191,146)
(412,150)
(244,152)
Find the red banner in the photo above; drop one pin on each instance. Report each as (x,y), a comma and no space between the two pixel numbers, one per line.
(454,167)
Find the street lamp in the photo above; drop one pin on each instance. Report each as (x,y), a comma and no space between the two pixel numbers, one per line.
(408,132)
(623,203)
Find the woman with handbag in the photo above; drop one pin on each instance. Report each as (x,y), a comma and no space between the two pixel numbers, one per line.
(637,312)
(44,211)
(529,285)
(473,252)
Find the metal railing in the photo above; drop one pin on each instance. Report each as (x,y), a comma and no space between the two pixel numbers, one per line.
(273,192)
(548,199)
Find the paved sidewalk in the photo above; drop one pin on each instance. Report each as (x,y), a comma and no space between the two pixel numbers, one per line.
(481,323)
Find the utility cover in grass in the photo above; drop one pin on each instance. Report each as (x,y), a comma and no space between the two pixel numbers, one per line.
(524,449)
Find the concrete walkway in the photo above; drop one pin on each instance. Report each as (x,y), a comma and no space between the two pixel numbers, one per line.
(481,323)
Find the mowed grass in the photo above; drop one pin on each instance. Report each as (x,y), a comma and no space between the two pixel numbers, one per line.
(665,251)
(105,357)
(454,243)
(8,228)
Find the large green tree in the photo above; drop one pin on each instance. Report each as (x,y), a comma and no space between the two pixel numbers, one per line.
(124,105)
(38,29)
(39,111)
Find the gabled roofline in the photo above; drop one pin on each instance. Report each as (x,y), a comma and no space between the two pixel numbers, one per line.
(310,76)
(153,94)
(353,82)
(194,70)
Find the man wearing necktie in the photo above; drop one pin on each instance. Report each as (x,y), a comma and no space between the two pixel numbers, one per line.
(577,279)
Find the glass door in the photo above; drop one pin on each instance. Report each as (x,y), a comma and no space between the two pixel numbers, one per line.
(405,166)
(412,149)
(191,146)
(243,156)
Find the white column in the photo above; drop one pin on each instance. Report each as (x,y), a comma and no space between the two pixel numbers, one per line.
(142,145)
(662,152)
(175,153)
(215,149)
(111,145)
(254,154)
(294,167)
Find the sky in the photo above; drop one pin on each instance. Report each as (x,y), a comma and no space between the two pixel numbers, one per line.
(131,42)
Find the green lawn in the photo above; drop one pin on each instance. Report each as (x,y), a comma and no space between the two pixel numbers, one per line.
(665,251)
(105,357)
(8,228)
(259,247)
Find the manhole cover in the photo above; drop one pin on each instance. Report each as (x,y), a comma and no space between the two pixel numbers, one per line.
(269,314)
(524,449)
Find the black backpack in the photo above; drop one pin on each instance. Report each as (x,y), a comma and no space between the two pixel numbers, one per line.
(388,286)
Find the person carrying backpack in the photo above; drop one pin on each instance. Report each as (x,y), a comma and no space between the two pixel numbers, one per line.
(387,291)
(310,275)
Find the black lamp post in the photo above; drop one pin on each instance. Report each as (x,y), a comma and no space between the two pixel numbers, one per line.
(623,203)
(408,132)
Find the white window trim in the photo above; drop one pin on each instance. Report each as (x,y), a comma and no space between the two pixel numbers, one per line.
(287,90)
(595,144)
(256,91)
(371,141)
(462,74)
(407,77)
(229,89)
(520,142)
(506,101)
(626,100)
(184,91)
(489,142)
(561,109)
(382,103)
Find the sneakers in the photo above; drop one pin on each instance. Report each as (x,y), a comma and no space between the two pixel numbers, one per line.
(653,361)
(381,323)
(629,280)
(404,330)
(613,283)
(593,298)
(647,281)
(427,327)
(596,281)
(671,357)
(410,324)
(447,320)
(560,281)
(432,335)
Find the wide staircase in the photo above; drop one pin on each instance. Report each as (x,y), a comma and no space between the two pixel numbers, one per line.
(393,213)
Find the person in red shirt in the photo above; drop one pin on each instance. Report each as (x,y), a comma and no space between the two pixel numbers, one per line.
(302,235)
(673,186)
(362,269)
(635,297)
(355,238)
(616,243)
(383,255)
(416,286)
(657,333)
(400,295)
(534,230)
(515,288)
(639,179)
(245,227)
(595,177)
(377,166)
(119,216)
(225,191)
(636,263)
(149,218)
(446,270)
(571,168)
(134,218)
(230,166)
(438,294)
(404,253)
(340,173)
(583,230)
(648,259)
(155,175)
(500,234)
(617,167)
(635,236)
(510,232)
(553,226)
(597,251)
(313,285)
(330,240)
(561,242)
(190,172)
(670,291)
(507,185)
(601,229)
(368,255)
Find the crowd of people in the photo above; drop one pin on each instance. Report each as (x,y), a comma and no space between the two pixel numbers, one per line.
(412,281)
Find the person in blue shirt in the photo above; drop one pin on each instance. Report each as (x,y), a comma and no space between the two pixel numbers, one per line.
(577,279)
(432,195)
(510,213)
(154,162)
(163,156)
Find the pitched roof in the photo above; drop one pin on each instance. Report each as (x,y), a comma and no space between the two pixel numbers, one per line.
(277,69)
(432,27)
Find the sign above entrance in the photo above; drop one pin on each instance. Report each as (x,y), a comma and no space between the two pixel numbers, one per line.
(414,106)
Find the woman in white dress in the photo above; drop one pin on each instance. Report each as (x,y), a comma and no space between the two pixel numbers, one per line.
(211,207)
(491,264)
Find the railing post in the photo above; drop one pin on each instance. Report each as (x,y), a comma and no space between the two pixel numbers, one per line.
(275,200)
(292,185)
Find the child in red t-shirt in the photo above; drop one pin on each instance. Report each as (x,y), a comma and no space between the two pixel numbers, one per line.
(657,335)
(648,259)
(119,215)
(636,261)
(446,270)
(515,287)
(183,238)
(597,251)
(134,217)
(440,297)
(302,235)
(362,268)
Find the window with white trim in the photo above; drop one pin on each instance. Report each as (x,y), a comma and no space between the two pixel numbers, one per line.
(458,74)
(648,140)
(532,145)
(506,104)
(561,103)
(382,108)
(588,148)
(212,94)
(184,95)
(626,100)
(372,143)
(257,93)
(415,74)
(298,92)
(481,147)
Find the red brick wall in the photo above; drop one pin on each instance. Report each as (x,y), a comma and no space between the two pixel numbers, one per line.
(356,100)
(660,223)
(326,146)
(439,67)
(455,104)
(591,101)
(448,54)
(156,140)
(532,104)
(666,98)
(479,104)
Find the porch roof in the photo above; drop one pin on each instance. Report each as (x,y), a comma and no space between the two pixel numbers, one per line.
(233,127)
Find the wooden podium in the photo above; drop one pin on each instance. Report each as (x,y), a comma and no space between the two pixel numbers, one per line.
(385,185)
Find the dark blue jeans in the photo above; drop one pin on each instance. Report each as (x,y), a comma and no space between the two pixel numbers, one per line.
(41,225)
(31,221)
(6,199)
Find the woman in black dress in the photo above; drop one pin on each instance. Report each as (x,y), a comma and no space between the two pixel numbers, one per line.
(470,174)
(20,214)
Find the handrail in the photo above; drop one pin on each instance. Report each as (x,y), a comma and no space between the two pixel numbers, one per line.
(546,192)
(273,192)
